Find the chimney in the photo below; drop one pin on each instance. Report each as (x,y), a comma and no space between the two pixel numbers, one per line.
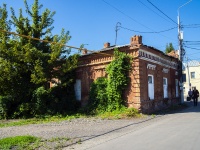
(106,45)
(84,51)
(136,40)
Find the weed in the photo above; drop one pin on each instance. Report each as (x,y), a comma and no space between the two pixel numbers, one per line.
(79,141)
(44,119)
(18,141)
(31,143)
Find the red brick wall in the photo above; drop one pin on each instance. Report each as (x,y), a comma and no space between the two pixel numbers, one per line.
(93,66)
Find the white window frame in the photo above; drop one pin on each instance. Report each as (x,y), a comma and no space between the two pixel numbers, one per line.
(151,91)
(165,86)
(192,75)
(77,88)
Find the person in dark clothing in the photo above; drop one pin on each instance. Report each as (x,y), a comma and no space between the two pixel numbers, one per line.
(190,94)
(195,95)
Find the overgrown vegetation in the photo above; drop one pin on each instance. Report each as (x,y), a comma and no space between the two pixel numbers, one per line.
(123,113)
(27,66)
(106,94)
(39,120)
(32,143)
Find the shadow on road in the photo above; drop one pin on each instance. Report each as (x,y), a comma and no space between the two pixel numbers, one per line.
(186,107)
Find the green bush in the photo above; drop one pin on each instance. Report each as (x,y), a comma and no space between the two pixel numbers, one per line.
(24,110)
(131,112)
(62,100)
(5,106)
(40,98)
(98,95)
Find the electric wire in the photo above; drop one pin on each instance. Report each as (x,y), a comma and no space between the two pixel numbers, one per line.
(50,42)
(125,14)
(193,54)
(152,10)
(191,25)
(162,12)
(146,31)
(192,48)
(193,44)
(192,41)
(133,19)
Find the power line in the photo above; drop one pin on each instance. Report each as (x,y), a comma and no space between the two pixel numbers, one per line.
(146,31)
(191,41)
(126,14)
(192,27)
(132,18)
(192,48)
(193,54)
(50,42)
(195,43)
(152,10)
(189,25)
(162,12)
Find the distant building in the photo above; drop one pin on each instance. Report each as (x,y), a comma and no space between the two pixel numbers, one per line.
(154,76)
(192,72)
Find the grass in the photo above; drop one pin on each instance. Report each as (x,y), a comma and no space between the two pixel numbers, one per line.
(31,143)
(118,114)
(19,142)
(121,114)
(44,119)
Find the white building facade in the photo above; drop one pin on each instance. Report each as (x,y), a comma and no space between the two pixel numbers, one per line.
(192,72)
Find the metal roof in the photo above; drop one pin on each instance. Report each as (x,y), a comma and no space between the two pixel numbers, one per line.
(192,63)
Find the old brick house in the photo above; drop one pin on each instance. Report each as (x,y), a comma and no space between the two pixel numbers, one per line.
(154,75)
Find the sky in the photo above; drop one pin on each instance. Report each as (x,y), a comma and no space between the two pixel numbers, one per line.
(94,22)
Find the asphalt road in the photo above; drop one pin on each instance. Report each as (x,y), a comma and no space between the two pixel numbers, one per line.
(178,131)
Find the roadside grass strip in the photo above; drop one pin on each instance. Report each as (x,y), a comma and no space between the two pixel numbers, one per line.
(20,142)
(31,143)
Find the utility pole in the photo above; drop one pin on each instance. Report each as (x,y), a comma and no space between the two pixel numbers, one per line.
(180,39)
(181,52)
(189,84)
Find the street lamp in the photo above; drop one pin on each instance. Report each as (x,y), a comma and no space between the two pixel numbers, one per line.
(180,39)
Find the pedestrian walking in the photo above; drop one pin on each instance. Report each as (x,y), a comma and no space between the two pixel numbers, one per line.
(195,95)
(190,94)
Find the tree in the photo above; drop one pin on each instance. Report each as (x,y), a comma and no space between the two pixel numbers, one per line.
(7,69)
(169,48)
(27,64)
